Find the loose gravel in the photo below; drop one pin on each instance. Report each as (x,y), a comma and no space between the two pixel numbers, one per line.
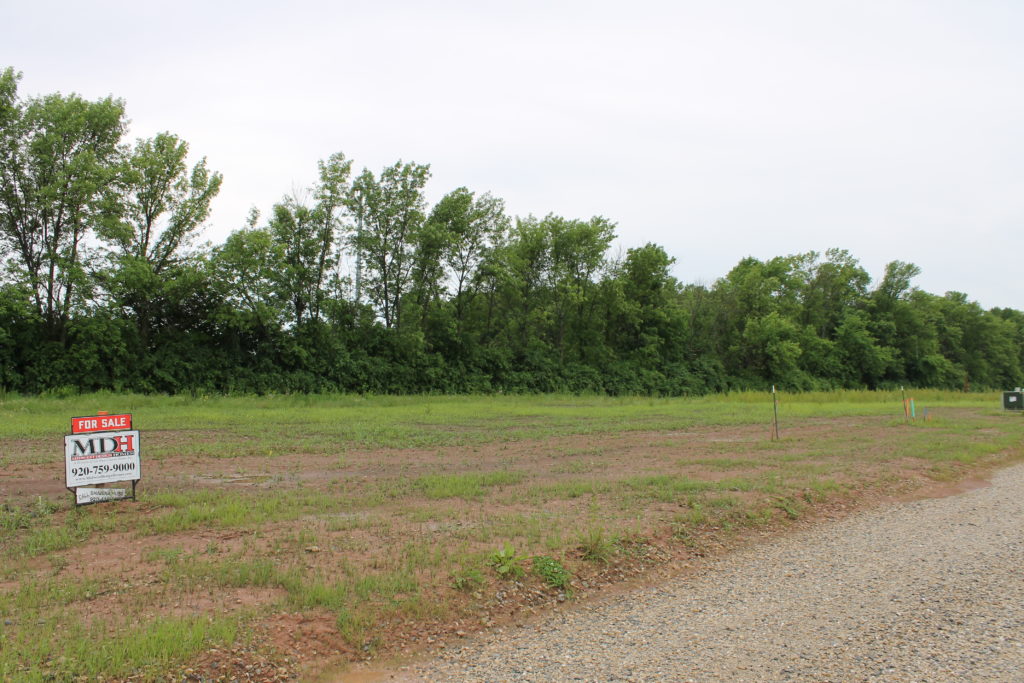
(929,590)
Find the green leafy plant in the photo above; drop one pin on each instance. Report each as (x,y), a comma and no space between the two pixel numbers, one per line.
(506,562)
(467,579)
(553,572)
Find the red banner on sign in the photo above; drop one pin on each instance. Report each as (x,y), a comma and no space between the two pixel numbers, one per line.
(100,423)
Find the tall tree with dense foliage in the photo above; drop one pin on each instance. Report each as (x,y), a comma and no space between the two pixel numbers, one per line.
(59,163)
(578,250)
(392,210)
(308,236)
(246,268)
(474,226)
(162,206)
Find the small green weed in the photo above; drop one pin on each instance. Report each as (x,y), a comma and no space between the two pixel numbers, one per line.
(789,506)
(352,626)
(553,572)
(579,467)
(818,491)
(468,579)
(506,562)
(13,518)
(58,563)
(723,502)
(596,546)
(684,534)
(756,516)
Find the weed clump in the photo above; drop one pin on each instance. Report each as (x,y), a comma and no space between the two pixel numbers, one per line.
(552,572)
(506,563)
(468,579)
(597,547)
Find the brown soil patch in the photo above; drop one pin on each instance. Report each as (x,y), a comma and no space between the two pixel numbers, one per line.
(944,489)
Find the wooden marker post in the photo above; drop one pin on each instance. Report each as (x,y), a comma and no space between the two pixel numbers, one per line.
(775,419)
(906,406)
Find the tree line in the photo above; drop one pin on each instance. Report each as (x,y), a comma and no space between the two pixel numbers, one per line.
(357,284)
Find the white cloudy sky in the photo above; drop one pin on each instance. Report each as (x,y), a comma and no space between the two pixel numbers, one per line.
(718,129)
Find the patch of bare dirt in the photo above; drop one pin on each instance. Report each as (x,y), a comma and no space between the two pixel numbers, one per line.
(944,489)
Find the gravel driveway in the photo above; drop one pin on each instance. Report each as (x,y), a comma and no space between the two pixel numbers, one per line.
(930,590)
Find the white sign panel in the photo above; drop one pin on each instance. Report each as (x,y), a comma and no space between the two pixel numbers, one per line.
(102,457)
(84,496)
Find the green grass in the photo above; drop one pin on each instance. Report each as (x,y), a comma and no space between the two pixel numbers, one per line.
(33,595)
(71,651)
(579,467)
(725,463)
(41,640)
(204,508)
(42,535)
(233,426)
(469,486)
(351,596)
(395,530)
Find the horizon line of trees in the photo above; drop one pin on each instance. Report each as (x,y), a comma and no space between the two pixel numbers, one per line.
(356,284)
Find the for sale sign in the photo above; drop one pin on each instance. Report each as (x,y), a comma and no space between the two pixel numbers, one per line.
(98,458)
(100,423)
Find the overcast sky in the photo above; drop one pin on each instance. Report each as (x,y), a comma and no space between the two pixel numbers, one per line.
(717,129)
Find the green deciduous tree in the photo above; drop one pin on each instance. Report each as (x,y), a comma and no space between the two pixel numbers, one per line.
(162,207)
(472,226)
(834,286)
(649,320)
(246,268)
(578,251)
(282,272)
(863,360)
(59,161)
(392,210)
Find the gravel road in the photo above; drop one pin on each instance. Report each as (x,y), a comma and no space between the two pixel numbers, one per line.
(929,590)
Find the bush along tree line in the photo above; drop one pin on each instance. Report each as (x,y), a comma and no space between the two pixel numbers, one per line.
(358,285)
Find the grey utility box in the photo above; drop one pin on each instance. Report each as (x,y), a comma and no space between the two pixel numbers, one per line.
(1013,400)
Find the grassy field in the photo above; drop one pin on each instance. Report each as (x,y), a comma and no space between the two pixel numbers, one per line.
(290,533)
